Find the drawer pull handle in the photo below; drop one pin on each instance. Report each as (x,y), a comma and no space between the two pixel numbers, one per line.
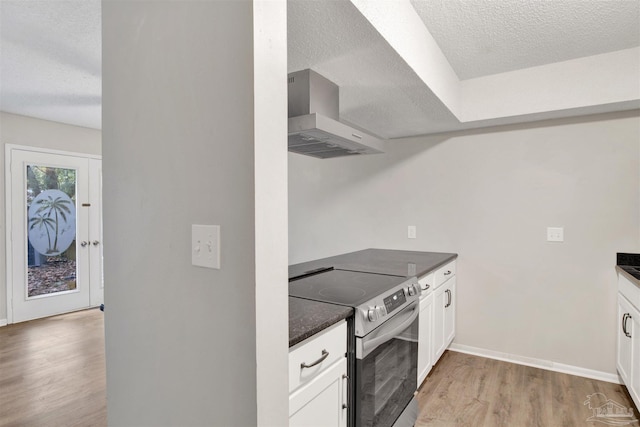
(448,272)
(325,354)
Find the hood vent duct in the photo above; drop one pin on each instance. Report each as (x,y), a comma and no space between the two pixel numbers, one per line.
(314,129)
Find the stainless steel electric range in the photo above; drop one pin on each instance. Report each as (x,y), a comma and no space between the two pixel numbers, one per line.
(383,340)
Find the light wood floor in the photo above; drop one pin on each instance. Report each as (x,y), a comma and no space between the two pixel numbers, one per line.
(52,372)
(465,390)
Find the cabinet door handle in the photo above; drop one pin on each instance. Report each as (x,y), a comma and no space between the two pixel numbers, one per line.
(448,291)
(625,317)
(448,272)
(325,354)
(345,384)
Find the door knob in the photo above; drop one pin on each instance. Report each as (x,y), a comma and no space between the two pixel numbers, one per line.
(83,243)
(96,243)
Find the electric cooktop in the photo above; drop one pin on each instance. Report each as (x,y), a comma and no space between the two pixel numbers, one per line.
(343,287)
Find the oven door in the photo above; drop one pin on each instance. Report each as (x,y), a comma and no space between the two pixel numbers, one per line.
(386,370)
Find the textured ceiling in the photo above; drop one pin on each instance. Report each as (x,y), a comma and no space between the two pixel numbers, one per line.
(50,55)
(51,60)
(382,93)
(481,37)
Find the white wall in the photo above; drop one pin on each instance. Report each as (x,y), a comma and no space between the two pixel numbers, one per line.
(271,220)
(21,130)
(489,196)
(179,123)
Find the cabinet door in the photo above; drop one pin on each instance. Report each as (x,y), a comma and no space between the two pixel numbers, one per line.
(450,312)
(424,338)
(322,402)
(439,301)
(633,327)
(623,361)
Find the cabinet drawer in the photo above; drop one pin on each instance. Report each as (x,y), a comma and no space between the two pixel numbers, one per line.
(629,290)
(323,401)
(444,273)
(332,340)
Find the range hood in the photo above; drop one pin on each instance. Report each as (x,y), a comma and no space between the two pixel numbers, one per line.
(314,129)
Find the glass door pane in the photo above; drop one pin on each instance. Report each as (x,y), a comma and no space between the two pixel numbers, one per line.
(51,225)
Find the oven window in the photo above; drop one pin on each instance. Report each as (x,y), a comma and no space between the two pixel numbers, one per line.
(386,379)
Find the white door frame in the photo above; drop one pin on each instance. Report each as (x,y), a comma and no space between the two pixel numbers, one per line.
(96,274)
(8,201)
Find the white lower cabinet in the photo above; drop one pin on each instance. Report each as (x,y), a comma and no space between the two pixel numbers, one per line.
(444,317)
(625,331)
(320,402)
(450,312)
(425,363)
(437,317)
(628,337)
(318,380)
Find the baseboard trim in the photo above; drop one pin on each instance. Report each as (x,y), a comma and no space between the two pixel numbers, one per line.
(3,322)
(537,363)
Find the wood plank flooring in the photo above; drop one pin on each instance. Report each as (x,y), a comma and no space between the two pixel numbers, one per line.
(466,390)
(52,372)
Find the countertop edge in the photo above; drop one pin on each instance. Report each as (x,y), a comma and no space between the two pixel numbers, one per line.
(452,257)
(312,322)
(628,275)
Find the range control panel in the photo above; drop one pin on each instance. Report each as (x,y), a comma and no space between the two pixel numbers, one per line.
(394,301)
(377,310)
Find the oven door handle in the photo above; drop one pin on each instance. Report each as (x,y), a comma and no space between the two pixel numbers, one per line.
(373,343)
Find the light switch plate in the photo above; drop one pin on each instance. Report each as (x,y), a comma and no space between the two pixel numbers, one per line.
(205,246)
(411,232)
(555,234)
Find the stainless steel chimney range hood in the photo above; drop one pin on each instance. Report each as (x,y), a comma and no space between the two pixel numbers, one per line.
(314,129)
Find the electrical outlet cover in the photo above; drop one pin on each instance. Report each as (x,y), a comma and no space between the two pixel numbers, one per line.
(555,234)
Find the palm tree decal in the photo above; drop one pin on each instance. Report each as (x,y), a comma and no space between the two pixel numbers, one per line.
(47,223)
(49,207)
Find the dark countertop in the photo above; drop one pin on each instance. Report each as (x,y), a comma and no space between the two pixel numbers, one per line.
(307,318)
(629,264)
(382,261)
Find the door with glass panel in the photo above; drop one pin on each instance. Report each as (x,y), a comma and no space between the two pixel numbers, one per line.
(55,251)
